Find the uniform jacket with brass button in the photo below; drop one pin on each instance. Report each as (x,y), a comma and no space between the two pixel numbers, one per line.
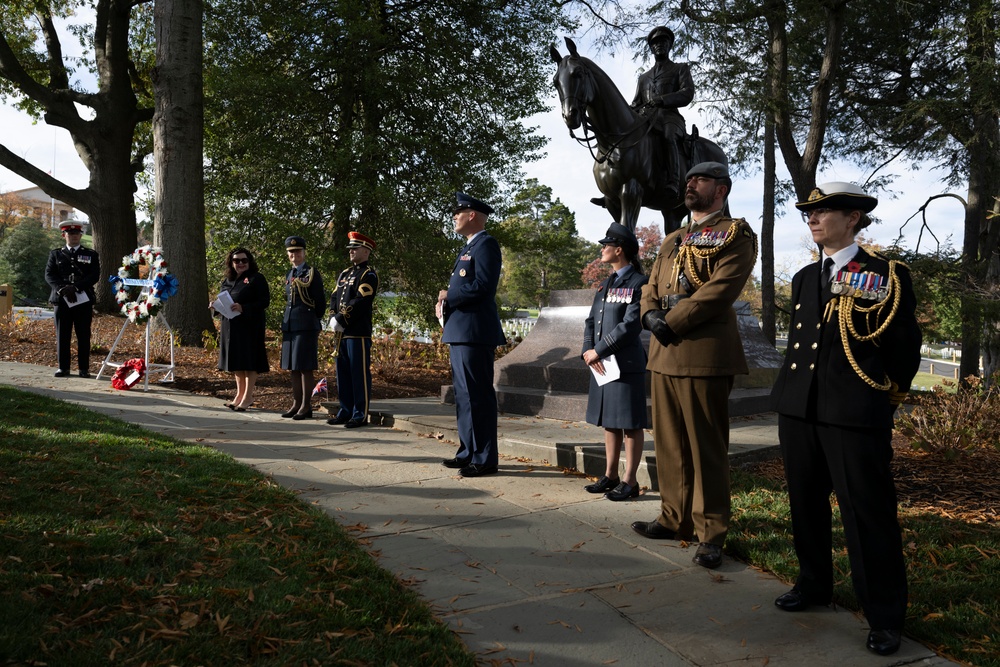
(817,380)
(710,342)
(613,326)
(353,299)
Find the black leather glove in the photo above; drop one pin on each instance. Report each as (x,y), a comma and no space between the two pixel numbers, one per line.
(67,292)
(653,320)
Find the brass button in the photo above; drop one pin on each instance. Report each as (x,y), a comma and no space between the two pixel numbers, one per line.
(793,366)
(797,306)
(796,346)
(817,325)
(799,325)
(812,366)
(815,345)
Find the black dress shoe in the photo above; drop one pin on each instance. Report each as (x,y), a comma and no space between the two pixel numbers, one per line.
(623,492)
(654,530)
(602,485)
(884,642)
(795,600)
(336,421)
(85,374)
(61,373)
(708,555)
(355,423)
(476,470)
(302,415)
(455,463)
(290,413)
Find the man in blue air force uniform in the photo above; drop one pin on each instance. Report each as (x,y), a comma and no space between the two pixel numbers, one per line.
(71,272)
(351,306)
(472,328)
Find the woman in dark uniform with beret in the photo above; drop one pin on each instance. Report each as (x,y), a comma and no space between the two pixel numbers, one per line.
(613,328)
(241,344)
(305,305)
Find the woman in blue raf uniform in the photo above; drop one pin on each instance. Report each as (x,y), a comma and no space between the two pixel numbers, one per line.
(241,343)
(613,328)
(853,349)
(305,305)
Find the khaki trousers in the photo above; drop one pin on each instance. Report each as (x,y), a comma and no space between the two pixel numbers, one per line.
(691,439)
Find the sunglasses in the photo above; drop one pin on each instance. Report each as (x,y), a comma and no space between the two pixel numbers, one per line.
(241,260)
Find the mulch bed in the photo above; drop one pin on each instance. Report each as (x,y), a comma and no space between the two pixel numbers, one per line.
(963,487)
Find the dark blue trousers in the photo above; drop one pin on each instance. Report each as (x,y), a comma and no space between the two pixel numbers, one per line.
(354,377)
(475,403)
(67,320)
(855,464)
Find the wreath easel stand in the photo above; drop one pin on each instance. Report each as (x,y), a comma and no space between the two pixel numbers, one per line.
(155,289)
(166,369)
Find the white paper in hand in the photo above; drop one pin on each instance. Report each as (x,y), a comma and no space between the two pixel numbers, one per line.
(611,371)
(81,297)
(223,305)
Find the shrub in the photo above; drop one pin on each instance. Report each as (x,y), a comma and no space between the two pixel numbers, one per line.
(951,423)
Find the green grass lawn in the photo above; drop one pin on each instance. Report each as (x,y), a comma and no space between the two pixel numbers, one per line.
(121,546)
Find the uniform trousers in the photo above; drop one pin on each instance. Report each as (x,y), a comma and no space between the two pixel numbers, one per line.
(354,377)
(475,403)
(691,440)
(67,319)
(855,463)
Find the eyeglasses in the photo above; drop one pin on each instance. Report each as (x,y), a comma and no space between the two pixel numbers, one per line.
(241,260)
(816,211)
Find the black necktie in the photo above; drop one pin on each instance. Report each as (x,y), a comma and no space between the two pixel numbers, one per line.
(827,271)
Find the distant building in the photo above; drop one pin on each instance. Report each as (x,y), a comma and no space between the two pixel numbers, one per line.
(34,203)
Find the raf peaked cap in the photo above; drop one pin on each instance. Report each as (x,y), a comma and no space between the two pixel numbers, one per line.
(359,240)
(467,201)
(70,226)
(620,235)
(712,169)
(840,196)
(295,242)
(660,32)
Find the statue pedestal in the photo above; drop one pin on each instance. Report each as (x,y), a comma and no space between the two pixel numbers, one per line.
(544,375)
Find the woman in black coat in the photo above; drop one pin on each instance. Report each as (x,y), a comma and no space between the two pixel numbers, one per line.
(241,345)
(613,328)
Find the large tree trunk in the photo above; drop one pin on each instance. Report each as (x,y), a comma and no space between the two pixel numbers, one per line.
(179,220)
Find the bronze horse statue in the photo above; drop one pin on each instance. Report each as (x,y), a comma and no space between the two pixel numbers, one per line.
(627,158)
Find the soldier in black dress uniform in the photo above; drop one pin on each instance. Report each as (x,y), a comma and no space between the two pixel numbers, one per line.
(305,305)
(71,272)
(351,304)
(853,349)
(241,343)
(613,329)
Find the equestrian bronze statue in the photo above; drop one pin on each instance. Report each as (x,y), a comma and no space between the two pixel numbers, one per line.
(639,159)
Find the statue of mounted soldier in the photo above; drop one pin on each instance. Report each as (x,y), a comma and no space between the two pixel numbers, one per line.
(642,148)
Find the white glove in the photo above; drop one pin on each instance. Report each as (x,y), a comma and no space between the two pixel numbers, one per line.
(337,326)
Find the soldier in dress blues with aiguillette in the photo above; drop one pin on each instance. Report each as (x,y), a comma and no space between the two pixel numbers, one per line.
(351,306)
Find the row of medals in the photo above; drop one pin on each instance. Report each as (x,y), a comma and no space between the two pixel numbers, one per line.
(620,295)
(706,238)
(866,285)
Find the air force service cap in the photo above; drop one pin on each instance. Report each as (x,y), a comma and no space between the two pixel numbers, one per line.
(295,243)
(467,201)
(620,235)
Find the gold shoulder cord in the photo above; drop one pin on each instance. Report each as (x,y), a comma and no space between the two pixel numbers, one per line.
(848,305)
(687,254)
(301,288)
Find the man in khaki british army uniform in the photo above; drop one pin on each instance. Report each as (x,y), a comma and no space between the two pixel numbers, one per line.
(694,354)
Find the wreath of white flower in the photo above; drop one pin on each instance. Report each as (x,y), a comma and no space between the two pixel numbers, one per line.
(141,303)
